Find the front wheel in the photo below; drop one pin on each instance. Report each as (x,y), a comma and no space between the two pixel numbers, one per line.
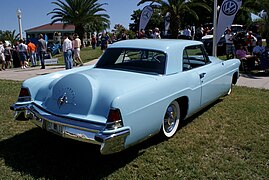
(171,119)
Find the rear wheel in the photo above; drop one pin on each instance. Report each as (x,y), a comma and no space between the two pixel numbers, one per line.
(171,119)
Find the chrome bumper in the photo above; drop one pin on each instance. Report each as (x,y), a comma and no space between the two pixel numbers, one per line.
(110,141)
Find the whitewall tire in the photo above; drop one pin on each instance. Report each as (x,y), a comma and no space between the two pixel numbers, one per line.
(171,119)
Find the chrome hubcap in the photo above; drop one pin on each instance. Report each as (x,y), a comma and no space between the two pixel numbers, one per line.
(170,118)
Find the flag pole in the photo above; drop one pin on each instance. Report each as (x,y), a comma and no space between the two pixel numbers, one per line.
(214,49)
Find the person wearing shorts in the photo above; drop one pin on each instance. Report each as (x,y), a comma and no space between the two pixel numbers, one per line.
(76,48)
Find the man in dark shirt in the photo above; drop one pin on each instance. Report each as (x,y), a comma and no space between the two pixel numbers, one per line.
(104,41)
(41,50)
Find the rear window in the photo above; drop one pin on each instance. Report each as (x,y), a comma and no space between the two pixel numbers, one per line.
(137,60)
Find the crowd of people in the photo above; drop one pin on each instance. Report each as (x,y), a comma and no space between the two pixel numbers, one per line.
(103,39)
(30,55)
(248,49)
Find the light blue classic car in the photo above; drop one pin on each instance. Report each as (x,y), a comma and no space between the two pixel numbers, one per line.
(138,88)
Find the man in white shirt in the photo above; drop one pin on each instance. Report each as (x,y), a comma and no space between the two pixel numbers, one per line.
(2,56)
(187,32)
(67,50)
(76,47)
(230,50)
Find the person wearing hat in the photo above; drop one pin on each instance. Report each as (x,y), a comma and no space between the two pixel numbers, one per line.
(76,48)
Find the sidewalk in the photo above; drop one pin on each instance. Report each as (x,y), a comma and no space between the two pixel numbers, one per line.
(23,74)
(248,80)
(19,74)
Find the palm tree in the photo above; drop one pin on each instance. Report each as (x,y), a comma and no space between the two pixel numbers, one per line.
(135,17)
(11,36)
(264,21)
(80,13)
(177,9)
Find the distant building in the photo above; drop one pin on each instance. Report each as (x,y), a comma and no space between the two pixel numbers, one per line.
(51,32)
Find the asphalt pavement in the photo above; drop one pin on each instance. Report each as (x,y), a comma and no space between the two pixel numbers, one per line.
(261,80)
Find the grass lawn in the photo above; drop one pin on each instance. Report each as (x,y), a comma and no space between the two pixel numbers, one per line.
(228,140)
(87,54)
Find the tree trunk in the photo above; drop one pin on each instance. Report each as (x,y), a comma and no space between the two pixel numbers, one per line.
(174,26)
(79,29)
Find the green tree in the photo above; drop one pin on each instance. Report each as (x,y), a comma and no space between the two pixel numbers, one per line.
(244,14)
(81,13)
(263,23)
(135,17)
(9,36)
(242,17)
(118,30)
(178,10)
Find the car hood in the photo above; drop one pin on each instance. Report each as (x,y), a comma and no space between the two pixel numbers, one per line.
(88,94)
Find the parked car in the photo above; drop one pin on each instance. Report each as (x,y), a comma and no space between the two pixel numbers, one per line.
(208,44)
(221,46)
(138,88)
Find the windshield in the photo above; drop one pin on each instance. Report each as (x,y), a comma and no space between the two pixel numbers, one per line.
(138,60)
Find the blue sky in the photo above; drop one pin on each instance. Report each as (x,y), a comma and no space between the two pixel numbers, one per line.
(34,12)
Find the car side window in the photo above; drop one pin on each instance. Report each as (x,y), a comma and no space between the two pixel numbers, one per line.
(194,56)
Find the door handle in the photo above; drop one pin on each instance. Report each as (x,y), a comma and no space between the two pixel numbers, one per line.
(202,75)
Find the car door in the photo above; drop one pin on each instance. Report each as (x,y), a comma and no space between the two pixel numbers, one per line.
(212,86)
(209,73)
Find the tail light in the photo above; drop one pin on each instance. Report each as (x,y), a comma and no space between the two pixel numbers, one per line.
(24,95)
(114,120)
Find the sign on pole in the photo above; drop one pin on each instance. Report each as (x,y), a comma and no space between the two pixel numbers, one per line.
(228,10)
(145,17)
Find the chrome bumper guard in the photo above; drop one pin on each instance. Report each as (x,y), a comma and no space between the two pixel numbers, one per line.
(111,142)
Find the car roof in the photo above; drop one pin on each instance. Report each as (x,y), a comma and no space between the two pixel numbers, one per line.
(172,47)
(156,44)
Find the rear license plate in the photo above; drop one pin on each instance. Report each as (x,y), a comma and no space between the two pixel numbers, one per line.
(55,128)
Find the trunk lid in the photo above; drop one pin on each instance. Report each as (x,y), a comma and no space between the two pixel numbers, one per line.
(88,94)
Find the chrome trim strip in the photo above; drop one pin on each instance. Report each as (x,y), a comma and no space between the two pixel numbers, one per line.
(86,126)
(66,131)
(111,142)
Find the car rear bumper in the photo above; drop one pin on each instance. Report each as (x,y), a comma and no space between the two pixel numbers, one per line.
(110,141)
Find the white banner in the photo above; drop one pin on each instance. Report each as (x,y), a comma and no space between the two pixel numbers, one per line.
(166,23)
(228,10)
(145,17)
